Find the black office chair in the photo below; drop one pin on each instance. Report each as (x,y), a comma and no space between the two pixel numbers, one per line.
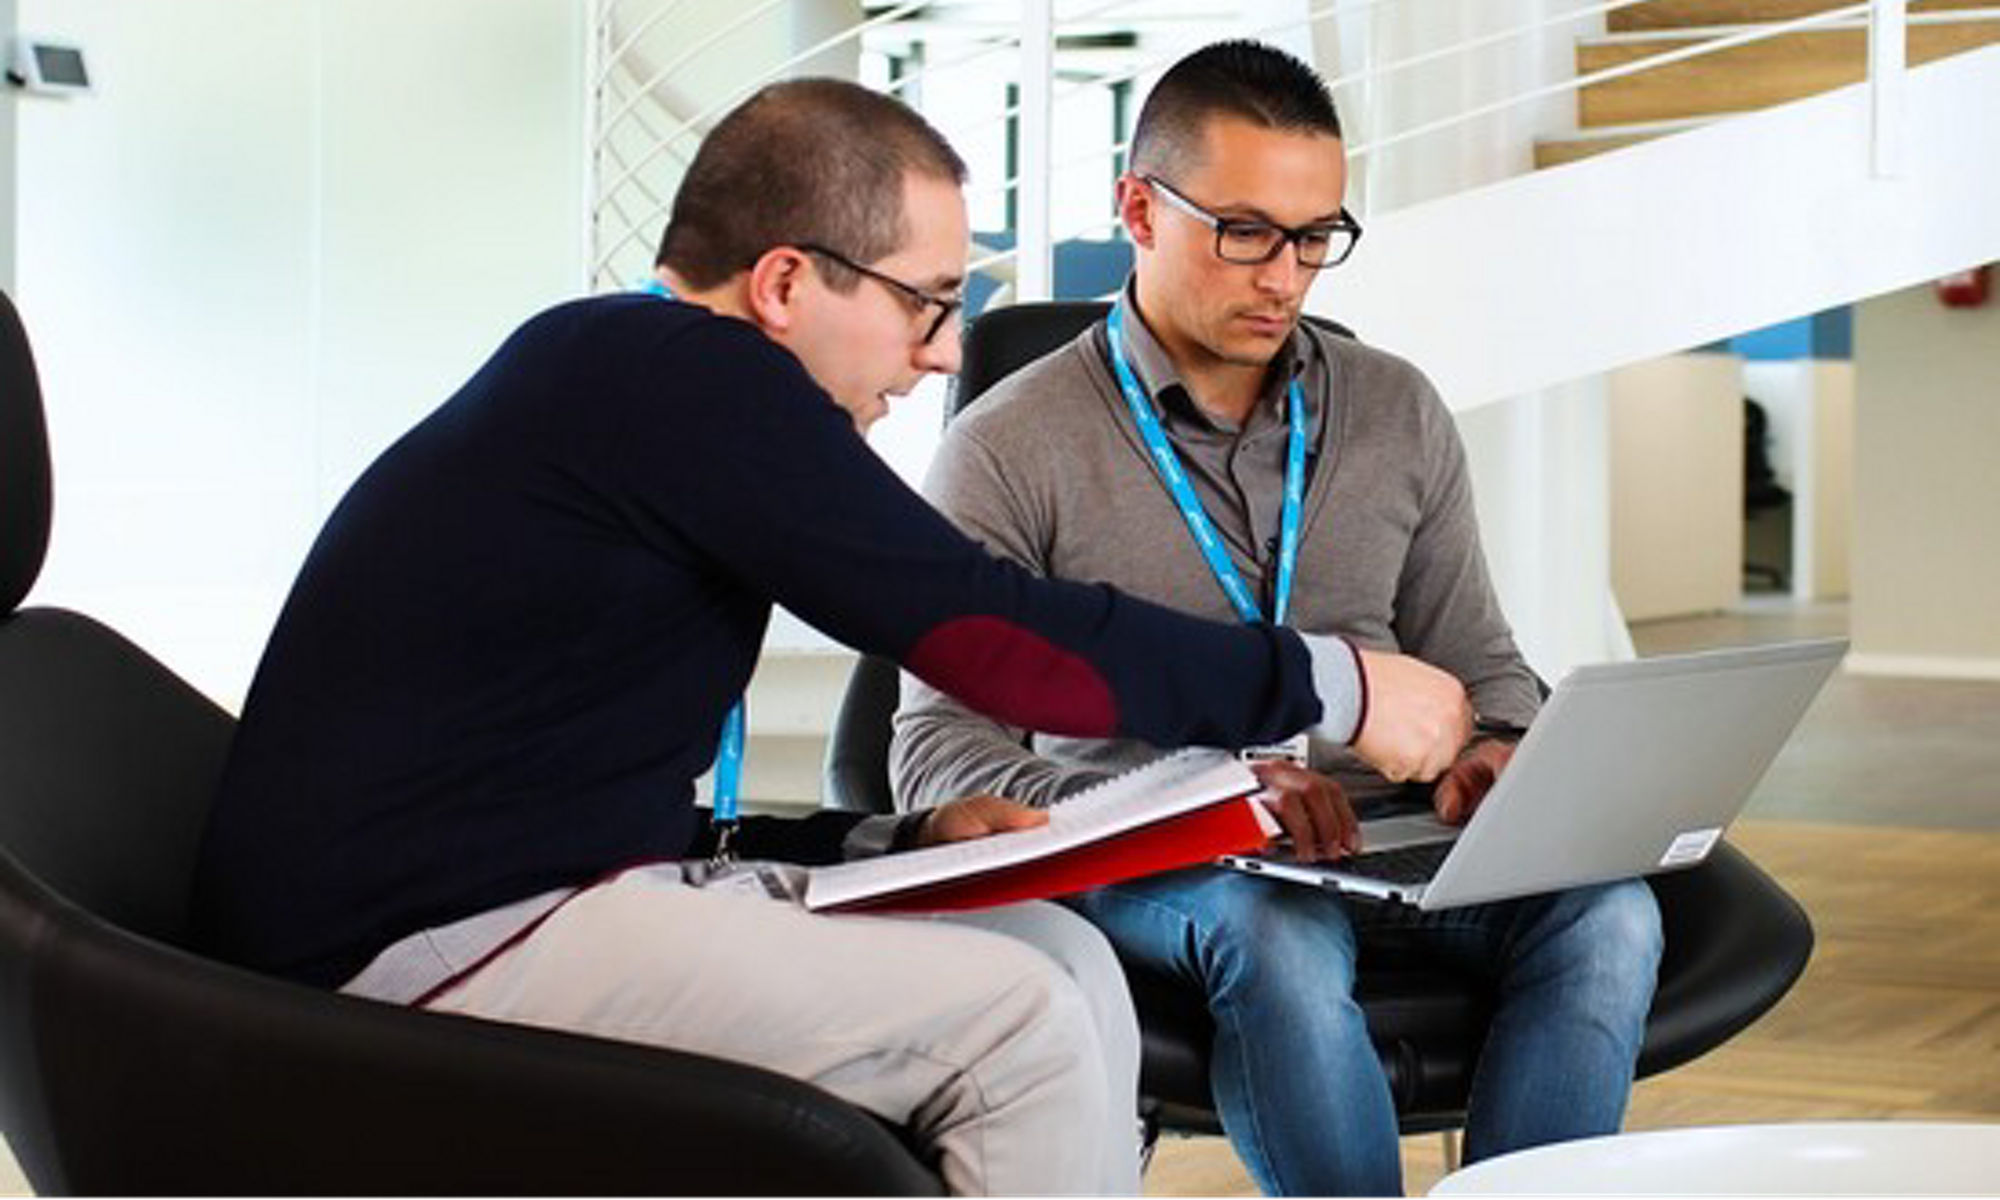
(1735,941)
(1767,508)
(128,1065)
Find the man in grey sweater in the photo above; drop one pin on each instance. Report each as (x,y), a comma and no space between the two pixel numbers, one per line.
(1205,449)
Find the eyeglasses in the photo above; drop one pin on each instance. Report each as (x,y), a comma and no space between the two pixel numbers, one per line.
(921,299)
(1321,245)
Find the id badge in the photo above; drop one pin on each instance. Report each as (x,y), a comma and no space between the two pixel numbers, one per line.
(1291,750)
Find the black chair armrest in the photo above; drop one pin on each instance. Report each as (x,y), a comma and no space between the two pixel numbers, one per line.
(855,775)
(261,1086)
(1736,942)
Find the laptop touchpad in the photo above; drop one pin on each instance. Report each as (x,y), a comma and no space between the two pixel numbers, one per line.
(1409,829)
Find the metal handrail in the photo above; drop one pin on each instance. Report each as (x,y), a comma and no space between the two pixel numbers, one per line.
(1312,17)
(1712,40)
(1735,35)
(1579,82)
(729,101)
(995,46)
(1481,42)
(611,60)
(1941,16)
(646,86)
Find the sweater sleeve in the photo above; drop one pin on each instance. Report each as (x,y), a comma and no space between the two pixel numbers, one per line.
(765,480)
(941,749)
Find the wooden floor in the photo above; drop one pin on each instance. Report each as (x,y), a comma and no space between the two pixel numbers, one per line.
(1897,1016)
(1883,818)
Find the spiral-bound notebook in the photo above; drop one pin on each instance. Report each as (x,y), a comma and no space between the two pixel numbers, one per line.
(1189,807)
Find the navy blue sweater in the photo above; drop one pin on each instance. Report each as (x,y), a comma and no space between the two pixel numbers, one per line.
(509,653)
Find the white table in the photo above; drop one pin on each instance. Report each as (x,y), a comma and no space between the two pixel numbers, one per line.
(1850,1157)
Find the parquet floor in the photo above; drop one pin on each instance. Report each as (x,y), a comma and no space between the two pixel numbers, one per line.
(1896,1017)
(1883,818)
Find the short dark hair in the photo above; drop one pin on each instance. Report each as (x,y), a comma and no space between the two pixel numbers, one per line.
(1238,78)
(805,160)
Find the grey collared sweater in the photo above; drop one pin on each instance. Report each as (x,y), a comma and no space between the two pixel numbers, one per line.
(1048,469)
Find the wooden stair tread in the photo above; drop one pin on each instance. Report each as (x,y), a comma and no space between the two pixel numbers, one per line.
(1681,14)
(1585,143)
(1751,76)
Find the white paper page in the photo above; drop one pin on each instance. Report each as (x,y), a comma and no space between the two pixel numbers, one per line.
(1178,783)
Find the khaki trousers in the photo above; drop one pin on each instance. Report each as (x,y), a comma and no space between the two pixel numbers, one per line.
(1016,1064)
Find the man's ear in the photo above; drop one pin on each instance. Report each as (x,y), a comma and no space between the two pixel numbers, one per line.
(1135,209)
(774,285)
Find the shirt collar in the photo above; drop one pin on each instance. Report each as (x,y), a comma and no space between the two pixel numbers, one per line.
(1163,382)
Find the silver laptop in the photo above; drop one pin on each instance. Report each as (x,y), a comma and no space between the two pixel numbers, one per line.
(1630,768)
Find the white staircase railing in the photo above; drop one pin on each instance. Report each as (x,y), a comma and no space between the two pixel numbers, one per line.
(1682,241)
(649,113)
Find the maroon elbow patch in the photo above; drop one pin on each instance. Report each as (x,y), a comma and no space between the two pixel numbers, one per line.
(1017,676)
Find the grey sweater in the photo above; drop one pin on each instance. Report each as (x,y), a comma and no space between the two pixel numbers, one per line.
(1048,469)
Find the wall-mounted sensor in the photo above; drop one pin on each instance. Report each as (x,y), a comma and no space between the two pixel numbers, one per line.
(48,67)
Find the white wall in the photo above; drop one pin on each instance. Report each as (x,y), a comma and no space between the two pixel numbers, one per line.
(1677,485)
(1483,68)
(10,101)
(277,233)
(1926,553)
(1824,540)
(1540,478)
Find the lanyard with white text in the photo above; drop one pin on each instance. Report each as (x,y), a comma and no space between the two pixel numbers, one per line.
(1182,491)
(729,752)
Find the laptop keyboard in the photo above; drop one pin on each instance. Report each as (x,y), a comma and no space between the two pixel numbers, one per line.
(1405,864)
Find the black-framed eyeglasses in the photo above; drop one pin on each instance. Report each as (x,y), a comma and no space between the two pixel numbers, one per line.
(924,301)
(1239,240)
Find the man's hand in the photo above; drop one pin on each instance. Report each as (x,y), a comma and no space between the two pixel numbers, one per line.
(976,817)
(1312,808)
(1458,794)
(1418,718)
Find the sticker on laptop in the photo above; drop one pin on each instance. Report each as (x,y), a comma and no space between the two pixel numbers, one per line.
(1690,847)
(1293,750)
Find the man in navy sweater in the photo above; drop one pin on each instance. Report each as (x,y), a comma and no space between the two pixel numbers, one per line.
(464,776)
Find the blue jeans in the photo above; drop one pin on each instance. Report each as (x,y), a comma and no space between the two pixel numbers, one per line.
(1296,1080)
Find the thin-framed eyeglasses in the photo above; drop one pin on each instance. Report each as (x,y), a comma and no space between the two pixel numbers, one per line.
(1240,240)
(923,301)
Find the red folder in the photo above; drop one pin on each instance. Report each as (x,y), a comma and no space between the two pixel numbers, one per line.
(1229,827)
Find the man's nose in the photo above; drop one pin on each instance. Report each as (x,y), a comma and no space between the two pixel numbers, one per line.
(942,353)
(1282,274)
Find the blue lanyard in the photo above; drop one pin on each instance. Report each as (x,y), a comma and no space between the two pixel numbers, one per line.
(729,752)
(1182,491)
